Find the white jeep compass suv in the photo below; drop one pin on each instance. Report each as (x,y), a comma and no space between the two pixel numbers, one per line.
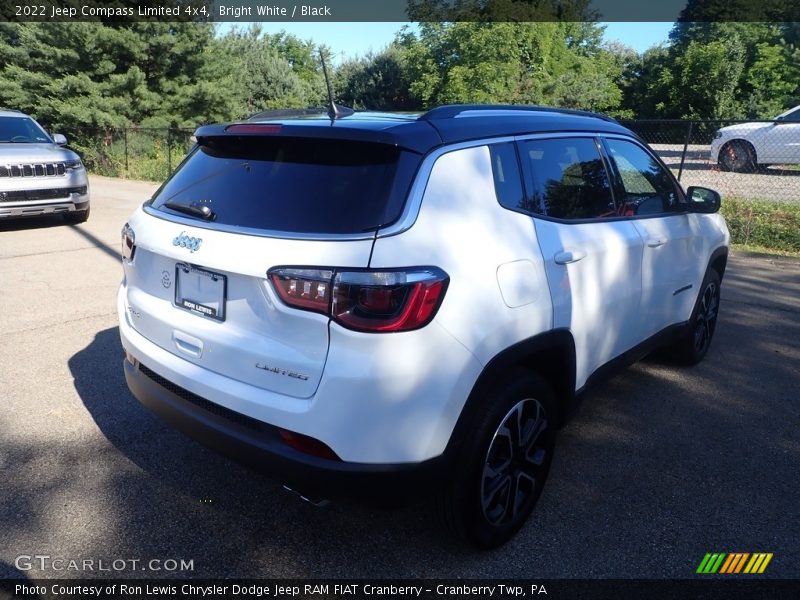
(380,304)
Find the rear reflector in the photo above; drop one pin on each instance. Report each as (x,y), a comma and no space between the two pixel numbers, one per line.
(257,128)
(379,301)
(307,445)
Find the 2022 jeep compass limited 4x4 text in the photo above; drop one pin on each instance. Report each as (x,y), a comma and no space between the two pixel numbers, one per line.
(38,176)
(385,304)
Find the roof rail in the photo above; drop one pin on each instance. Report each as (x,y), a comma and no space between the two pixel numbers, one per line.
(450,111)
(283,113)
(14,110)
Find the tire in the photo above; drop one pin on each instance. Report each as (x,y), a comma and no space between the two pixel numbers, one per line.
(738,156)
(494,489)
(694,345)
(78,216)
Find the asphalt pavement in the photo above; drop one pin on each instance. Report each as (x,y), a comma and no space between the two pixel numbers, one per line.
(660,466)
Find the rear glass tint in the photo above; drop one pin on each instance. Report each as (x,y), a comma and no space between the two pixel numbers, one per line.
(293,185)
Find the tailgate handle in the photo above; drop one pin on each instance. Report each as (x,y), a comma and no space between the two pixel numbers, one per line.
(188,344)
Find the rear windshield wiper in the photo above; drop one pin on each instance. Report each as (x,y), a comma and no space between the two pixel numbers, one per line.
(202,211)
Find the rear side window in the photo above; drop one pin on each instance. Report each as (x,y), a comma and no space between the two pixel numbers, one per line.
(293,185)
(567,179)
(507,179)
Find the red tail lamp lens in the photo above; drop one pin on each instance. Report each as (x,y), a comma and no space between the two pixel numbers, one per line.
(128,242)
(368,300)
(387,301)
(303,288)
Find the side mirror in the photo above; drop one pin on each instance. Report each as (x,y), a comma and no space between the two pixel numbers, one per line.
(703,200)
(59,139)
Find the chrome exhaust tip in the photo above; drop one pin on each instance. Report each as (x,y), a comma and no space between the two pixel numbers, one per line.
(318,502)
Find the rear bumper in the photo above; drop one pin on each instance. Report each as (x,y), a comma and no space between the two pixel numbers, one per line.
(258,445)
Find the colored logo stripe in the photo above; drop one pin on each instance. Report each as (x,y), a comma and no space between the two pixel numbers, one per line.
(734,562)
(710,563)
(758,563)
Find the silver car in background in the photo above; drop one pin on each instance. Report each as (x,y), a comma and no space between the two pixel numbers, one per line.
(38,175)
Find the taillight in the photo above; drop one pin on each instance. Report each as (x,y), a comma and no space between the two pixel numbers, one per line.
(128,243)
(365,300)
(303,288)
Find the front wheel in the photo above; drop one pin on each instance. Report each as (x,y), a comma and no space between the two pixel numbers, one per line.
(694,345)
(78,216)
(495,488)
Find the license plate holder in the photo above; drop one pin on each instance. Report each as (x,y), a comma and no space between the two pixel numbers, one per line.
(200,291)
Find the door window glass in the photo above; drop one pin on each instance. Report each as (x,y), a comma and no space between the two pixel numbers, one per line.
(568,179)
(647,188)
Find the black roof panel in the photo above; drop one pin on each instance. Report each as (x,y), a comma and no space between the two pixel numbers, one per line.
(421,133)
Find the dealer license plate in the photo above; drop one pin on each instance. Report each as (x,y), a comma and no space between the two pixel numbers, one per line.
(201,292)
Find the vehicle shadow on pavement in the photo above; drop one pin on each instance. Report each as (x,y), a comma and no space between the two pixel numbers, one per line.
(32,223)
(184,492)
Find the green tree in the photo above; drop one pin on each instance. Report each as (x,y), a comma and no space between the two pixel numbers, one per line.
(266,78)
(375,82)
(545,63)
(95,75)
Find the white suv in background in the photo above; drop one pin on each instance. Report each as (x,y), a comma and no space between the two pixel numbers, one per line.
(746,147)
(385,305)
(38,176)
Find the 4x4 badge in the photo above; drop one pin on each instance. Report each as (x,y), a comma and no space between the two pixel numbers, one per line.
(190,243)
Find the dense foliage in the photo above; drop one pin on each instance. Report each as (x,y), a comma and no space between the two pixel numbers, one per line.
(105,76)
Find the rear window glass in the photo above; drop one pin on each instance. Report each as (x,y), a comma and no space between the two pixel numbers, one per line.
(293,185)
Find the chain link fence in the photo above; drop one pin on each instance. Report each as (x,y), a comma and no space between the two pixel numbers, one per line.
(131,153)
(740,159)
(747,160)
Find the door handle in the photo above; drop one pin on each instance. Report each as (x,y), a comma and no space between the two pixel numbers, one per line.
(568,256)
(655,242)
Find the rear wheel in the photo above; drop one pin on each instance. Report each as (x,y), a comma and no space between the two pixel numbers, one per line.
(504,470)
(738,156)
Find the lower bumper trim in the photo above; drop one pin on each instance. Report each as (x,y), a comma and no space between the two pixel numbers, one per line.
(258,445)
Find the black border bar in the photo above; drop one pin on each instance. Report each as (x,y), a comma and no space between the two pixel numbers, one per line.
(702,587)
(333,11)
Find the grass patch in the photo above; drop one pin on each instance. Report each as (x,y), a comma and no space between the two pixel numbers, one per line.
(763,250)
(771,226)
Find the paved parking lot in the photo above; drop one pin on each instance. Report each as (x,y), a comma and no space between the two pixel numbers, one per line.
(660,466)
(776,182)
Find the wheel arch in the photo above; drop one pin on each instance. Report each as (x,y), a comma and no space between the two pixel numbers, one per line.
(719,261)
(551,355)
